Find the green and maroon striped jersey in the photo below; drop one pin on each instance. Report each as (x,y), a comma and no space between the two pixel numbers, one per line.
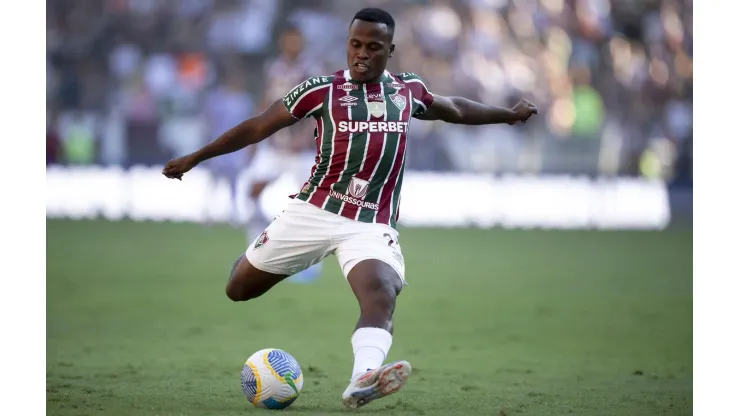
(360,135)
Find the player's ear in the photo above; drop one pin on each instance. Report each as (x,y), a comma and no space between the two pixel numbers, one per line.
(393,48)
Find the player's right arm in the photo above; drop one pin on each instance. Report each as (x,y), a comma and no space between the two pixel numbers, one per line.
(301,102)
(246,133)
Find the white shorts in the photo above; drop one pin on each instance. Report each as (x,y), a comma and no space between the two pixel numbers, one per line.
(270,163)
(303,235)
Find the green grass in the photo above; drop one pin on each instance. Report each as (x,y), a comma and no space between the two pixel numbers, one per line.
(493,322)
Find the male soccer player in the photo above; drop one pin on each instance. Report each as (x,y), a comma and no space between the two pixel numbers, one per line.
(349,205)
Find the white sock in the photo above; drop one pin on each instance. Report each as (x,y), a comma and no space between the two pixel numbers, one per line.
(371,346)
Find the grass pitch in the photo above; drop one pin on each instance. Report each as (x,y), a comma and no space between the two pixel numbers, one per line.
(493,322)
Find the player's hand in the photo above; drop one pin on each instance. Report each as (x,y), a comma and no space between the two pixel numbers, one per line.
(523,110)
(175,168)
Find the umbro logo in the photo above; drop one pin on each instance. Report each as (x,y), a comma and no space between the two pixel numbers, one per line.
(347,99)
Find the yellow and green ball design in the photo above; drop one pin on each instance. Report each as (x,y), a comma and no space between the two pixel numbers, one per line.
(272,379)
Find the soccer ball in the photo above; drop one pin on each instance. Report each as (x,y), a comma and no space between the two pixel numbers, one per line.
(272,379)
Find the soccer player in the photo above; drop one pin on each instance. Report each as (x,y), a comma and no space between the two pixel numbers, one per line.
(350,204)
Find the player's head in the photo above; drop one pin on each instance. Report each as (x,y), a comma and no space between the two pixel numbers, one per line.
(370,43)
(291,42)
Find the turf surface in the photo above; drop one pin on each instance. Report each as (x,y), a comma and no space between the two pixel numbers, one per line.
(493,322)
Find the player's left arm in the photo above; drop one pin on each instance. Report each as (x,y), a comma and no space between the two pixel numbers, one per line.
(459,110)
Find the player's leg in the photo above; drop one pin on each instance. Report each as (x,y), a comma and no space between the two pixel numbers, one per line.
(299,237)
(376,286)
(248,282)
(259,222)
(373,264)
(266,167)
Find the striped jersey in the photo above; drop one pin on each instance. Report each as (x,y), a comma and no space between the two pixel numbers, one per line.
(360,135)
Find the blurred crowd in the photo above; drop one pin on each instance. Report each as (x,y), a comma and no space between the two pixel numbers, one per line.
(140,81)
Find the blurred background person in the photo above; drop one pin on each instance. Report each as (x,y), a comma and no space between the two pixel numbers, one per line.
(291,151)
(226,106)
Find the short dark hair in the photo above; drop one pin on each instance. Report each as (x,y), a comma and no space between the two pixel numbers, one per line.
(375,15)
(292,28)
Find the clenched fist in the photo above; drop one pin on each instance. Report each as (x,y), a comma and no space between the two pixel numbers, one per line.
(175,168)
(523,110)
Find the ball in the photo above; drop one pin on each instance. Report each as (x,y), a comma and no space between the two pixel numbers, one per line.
(272,379)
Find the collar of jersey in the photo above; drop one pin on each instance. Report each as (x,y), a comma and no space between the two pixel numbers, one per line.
(386,77)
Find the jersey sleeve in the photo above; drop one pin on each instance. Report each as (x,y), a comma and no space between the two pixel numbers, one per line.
(307,98)
(423,98)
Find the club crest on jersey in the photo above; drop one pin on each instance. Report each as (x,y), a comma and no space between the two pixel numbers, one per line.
(358,187)
(261,240)
(399,100)
(377,109)
(348,86)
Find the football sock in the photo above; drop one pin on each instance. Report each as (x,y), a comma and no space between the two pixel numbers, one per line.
(371,346)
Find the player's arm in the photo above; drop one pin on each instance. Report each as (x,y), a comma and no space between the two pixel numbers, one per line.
(459,110)
(303,101)
(246,133)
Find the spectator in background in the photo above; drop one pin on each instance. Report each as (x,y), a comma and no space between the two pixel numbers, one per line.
(53,143)
(141,121)
(78,134)
(226,106)
(600,70)
(291,150)
(588,108)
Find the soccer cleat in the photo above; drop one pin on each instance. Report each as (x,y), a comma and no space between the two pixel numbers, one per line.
(375,384)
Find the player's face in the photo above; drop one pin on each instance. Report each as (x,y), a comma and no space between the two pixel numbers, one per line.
(369,46)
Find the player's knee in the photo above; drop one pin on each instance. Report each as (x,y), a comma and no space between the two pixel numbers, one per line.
(383,293)
(376,286)
(236,293)
(241,289)
(247,282)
